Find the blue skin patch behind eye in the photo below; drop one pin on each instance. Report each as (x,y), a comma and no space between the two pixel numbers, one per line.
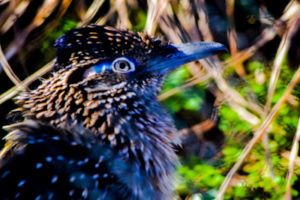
(97,69)
(101,67)
(108,66)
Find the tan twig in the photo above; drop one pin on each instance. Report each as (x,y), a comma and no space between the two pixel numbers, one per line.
(202,22)
(9,72)
(44,12)
(268,155)
(17,12)
(46,29)
(258,134)
(14,90)
(293,155)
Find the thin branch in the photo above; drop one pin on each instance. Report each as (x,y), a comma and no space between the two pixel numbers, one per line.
(14,90)
(192,82)
(9,72)
(281,53)
(293,156)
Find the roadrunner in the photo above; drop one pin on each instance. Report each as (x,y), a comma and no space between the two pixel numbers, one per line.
(94,129)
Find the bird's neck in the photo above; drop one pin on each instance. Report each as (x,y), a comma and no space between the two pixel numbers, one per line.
(134,127)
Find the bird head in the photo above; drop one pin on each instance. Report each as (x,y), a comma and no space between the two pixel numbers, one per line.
(101,69)
(104,58)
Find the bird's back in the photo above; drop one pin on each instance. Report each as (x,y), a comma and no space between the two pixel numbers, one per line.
(43,162)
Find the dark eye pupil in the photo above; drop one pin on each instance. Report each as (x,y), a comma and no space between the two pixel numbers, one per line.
(122,65)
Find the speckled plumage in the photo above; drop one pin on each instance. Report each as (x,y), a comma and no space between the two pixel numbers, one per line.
(94,129)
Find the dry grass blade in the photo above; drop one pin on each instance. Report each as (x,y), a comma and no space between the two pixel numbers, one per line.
(4,2)
(64,5)
(92,11)
(14,91)
(10,20)
(43,12)
(286,154)
(293,155)
(244,114)
(103,20)
(282,51)
(268,156)
(240,57)
(47,8)
(229,93)
(9,72)
(232,36)
(123,19)
(202,21)
(190,83)
(259,133)
(8,11)
(155,9)
(171,25)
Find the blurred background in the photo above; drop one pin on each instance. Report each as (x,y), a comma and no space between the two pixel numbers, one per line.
(237,113)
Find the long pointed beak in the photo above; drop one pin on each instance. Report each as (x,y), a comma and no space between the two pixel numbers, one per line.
(194,51)
(184,53)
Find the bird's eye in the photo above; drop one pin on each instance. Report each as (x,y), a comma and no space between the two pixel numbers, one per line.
(123,65)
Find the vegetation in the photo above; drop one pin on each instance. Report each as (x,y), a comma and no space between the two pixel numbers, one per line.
(257,177)
(237,114)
